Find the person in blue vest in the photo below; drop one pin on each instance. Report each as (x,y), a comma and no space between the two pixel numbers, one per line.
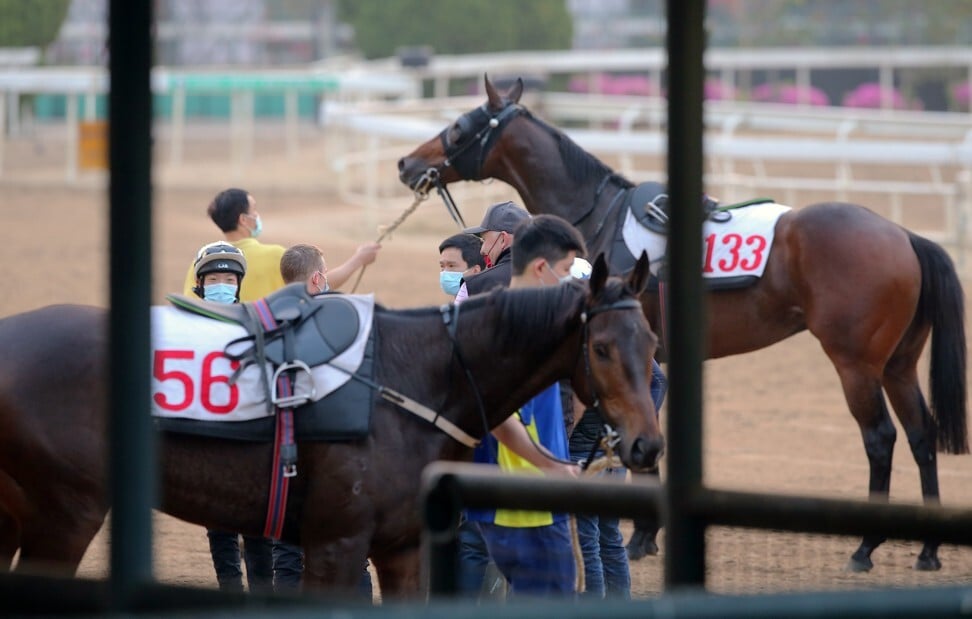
(533,549)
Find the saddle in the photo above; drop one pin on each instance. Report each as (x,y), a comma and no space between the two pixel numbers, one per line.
(650,205)
(318,328)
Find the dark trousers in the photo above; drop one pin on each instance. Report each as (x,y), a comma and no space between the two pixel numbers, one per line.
(288,566)
(225,550)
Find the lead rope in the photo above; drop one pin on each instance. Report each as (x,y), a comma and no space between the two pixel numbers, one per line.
(592,466)
(421,193)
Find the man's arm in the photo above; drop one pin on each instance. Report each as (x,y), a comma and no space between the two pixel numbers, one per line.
(363,256)
(513,434)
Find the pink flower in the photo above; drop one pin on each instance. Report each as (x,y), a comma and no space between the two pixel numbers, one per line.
(716,90)
(607,84)
(868,95)
(962,93)
(790,94)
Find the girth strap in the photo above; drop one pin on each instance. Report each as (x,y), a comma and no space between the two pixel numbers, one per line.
(284,463)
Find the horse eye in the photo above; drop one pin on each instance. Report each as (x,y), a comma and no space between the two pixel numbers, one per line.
(602,352)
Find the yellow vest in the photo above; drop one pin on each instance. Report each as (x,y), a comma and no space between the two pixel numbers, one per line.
(510,462)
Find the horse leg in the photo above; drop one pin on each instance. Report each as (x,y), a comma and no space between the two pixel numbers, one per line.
(399,574)
(334,567)
(904,392)
(643,540)
(57,541)
(866,402)
(9,540)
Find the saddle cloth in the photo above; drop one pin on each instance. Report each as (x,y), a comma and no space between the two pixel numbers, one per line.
(735,252)
(191,390)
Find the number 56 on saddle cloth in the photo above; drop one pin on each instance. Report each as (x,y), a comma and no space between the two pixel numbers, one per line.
(192,390)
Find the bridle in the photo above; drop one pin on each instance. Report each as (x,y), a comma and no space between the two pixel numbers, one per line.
(467,156)
(623,304)
(462,157)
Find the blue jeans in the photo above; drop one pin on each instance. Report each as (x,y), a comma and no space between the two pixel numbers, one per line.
(535,560)
(659,385)
(602,546)
(473,558)
(225,550)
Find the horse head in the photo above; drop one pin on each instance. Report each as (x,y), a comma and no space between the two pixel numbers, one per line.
(461,150)
(614,369)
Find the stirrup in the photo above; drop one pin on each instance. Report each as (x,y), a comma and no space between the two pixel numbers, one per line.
(296,399)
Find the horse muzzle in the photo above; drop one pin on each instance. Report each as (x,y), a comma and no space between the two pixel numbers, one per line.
(645,454)
(411,170)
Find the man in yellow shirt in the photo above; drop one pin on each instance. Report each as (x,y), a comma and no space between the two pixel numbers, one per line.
(234,212)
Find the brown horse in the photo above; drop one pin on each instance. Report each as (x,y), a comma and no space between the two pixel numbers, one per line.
(869,290)
(349,500)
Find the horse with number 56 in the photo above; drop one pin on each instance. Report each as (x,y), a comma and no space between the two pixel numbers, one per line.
(350,499)
(869,290)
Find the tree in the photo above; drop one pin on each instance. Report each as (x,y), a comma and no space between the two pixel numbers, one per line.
(457,26)
(28,23)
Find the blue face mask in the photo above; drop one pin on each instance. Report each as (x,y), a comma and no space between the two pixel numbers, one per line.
(257,227)
(449,281)
(220,293)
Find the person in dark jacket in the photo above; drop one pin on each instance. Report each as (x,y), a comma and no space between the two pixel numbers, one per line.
(496,232)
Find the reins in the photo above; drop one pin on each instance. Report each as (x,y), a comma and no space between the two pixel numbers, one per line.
(421,192)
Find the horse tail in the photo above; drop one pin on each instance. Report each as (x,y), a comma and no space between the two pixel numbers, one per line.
(941,305)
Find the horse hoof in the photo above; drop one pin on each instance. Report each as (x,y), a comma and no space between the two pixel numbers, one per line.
(928,564)
(640,547)
(859,563)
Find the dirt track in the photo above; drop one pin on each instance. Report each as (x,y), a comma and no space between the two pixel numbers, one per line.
(775,419)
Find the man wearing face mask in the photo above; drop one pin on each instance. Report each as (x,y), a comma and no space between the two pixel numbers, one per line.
(234,212)
(218,271)
(496,232)
(459,257)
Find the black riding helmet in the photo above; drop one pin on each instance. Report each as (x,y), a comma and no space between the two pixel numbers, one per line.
(218,257)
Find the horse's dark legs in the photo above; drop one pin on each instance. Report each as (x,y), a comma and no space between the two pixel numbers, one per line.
(909,404)
(642,542)
(9,540)
(47,542)
(879,435)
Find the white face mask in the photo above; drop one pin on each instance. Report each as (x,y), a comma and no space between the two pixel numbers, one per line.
(327,286)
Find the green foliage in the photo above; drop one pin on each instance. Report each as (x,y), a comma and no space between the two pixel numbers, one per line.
(457,26)
(31,23)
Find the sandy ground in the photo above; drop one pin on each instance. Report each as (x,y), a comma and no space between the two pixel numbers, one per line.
(775,420)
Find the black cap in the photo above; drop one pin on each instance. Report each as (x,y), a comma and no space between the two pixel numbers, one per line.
(500,217)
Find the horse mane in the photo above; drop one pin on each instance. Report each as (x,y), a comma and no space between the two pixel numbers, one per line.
(578,162)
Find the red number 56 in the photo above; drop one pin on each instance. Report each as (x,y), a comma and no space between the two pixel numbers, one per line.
(207,380)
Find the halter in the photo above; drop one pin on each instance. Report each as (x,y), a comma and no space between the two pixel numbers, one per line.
(586,317)
(491,125)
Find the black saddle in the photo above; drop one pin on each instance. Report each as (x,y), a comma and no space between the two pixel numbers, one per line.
(650,205)
(319,328)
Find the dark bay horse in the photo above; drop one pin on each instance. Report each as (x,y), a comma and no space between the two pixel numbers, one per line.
(869,290)
(350,500)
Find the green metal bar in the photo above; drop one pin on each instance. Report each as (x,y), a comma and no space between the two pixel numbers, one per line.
(132,457)
(685,532)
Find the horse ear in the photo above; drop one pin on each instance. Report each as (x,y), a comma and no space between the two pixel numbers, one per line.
(599,274)
(516,91)
(639,276)
(495,100)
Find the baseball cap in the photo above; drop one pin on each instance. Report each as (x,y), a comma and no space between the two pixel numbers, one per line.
(500,217)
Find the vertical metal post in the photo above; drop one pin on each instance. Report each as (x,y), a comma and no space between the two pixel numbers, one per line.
(685,541)
(132,458)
